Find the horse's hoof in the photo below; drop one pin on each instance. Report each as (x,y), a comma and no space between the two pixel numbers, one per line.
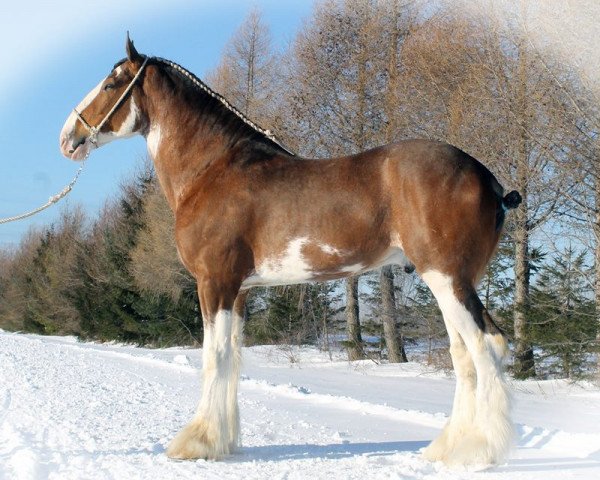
(196,442)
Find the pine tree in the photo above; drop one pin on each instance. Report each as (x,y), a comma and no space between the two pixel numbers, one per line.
(562,316)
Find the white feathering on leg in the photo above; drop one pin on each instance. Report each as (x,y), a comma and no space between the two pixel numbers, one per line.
(208,433)
(487,439)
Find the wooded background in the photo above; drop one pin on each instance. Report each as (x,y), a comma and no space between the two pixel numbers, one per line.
(358,74)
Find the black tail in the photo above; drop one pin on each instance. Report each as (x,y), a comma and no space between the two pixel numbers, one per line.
(512,200)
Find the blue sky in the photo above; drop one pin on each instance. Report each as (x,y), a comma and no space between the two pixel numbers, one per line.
(55,52)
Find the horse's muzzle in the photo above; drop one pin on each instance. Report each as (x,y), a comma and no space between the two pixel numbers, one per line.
(75,149)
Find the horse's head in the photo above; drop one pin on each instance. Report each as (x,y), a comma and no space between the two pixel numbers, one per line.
(109,111)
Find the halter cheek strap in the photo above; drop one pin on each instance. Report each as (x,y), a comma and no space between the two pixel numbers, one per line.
(94,131)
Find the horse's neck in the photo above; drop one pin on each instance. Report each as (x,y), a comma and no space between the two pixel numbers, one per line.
(182,144)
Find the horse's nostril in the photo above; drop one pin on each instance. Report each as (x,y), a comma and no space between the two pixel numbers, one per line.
(81,141)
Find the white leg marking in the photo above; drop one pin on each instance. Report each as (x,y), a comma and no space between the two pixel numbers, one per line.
(488,438)
(208,433)
(463,407)
(233,413)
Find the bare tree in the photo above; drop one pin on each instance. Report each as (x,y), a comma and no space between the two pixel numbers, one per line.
(396,21)
(333,103)
(345,76)
(246,73)
(155,265)
(486,93)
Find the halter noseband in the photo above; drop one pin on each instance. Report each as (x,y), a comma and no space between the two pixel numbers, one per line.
(94,131)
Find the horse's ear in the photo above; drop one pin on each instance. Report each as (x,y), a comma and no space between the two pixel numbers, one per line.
(132,53)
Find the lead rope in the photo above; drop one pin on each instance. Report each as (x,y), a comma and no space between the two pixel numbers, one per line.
(51,201)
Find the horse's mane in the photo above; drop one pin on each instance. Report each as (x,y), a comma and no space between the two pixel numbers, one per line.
(219,106)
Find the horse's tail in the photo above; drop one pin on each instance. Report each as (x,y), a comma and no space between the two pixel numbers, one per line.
(512,200)
(507,202)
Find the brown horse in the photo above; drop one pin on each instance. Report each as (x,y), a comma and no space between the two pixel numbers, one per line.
(248,212)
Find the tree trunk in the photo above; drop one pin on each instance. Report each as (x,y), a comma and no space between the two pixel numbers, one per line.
(524,366)
(596,228)
(392,334)
(393,338)
(355,346)
(524,363)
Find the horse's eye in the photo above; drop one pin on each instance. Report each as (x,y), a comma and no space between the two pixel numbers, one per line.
(109,86)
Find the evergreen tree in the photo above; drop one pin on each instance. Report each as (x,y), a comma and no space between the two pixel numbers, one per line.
(562,317)
(111,303)
(295,314)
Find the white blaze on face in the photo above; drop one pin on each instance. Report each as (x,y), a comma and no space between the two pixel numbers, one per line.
(89,98)
(125,130)
(68,131)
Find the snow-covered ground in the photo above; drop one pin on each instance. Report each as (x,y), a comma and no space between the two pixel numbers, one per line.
(71,410)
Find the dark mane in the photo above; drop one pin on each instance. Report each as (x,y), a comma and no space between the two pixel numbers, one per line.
(226,115)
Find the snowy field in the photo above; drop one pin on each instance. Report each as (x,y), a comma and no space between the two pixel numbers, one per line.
(71,410)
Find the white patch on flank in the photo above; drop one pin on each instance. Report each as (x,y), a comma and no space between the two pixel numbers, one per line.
(329,250)
(289,267)
(355,268)
(153,140)
(292,267)
(485,435)
(393,256)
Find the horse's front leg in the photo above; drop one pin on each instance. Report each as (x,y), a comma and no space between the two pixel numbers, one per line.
(213,431)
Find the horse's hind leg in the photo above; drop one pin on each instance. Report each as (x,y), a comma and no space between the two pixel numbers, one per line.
(209,433)
(482,436)
(463,408)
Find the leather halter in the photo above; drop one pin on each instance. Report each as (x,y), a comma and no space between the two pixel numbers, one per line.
(94,131)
